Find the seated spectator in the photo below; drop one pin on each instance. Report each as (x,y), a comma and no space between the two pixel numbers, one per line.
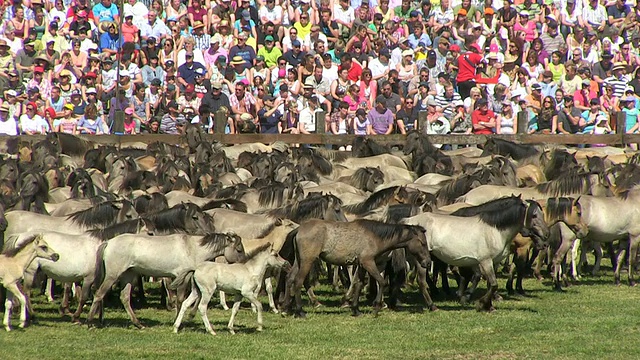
(483,119)
(547,120)
(380,118)
(8,124)
(569,118)
(31,123)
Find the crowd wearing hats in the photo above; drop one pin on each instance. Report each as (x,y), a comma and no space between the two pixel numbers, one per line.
(275,66)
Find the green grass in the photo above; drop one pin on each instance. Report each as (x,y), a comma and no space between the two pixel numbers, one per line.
(593,319)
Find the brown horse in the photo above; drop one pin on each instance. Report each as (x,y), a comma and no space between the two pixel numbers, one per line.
(354,243)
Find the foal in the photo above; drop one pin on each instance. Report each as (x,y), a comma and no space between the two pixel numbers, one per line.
(243,280)
(13,262)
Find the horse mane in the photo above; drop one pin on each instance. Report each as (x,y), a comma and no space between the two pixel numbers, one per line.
(561,161)
(271,194)
(169,219)
(361,176)
(13,250)
(103,214)
(255,252)
(454,188)
(228,203)
(127,227)
(333,155)
(374,200)
(313,207)
(384,231)
(232,191)
(567,184)
(72,145)
(396,212)
(559,208)
(320,163)
(500,213)
(508,148)
(214,242)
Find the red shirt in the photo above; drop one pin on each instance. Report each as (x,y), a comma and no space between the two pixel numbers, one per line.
(355,71)
(467,64)
(477,117)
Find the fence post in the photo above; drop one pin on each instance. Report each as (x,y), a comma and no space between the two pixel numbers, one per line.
(220,121)
(621,126)
(118,122)
(320,122)
(422,119)
(523,122)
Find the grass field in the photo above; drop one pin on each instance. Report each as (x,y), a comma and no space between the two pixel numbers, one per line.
(592,320)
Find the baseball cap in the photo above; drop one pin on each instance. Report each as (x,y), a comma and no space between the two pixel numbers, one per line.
(189,88)
(128,111)
(536,86)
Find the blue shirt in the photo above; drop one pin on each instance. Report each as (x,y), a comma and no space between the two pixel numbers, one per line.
(188,71)
(109,42)
(101,13)
(424,38)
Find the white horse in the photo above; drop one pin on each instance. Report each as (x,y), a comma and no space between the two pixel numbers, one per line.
(126,256)
(13,262)
(479,236)
(244,280)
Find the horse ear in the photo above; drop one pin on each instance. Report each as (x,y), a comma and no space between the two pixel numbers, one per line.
(589,157)
(576,201)
(519,196)
(605,157)
(118,204)
(278,222)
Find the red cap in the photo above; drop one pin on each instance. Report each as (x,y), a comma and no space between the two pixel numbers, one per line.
(476,47)
(51,112)
(82,13)
(190,88)
(91,74)
(454,47)
(33,104)
(38,69)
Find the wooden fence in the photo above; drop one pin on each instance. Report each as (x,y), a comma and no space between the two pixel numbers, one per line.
(320,138)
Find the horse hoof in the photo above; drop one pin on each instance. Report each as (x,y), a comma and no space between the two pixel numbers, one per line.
(214,333)
(345,305)
(175,330)
(7,328)
(433,308)
(259,329)
(498,297)
(300,315)
(275,311)
(520,292)
(317,305)
(633,283)
(231,331)
(356,313)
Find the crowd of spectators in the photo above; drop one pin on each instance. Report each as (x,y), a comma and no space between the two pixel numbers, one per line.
(273,66)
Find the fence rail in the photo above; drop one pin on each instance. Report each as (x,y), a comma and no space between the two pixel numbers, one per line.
(317,139)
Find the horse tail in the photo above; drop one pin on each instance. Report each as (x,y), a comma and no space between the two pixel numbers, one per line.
(100,269)
(289,249)
(181,279)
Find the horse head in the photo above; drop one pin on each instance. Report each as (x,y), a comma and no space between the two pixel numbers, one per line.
(234,250)
(334,209)
(9,170)
(417,244)
(197,221)
(535,225)
(43,250)
(412,143)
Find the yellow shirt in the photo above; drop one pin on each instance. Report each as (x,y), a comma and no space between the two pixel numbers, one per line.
(303,31)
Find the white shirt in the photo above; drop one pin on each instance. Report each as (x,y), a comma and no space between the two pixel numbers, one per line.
(330,74)
(9,127)
(347,16)
(36,124)
(377,68)
(594,16)
(307,119)
(139,11)
(274,15)
(307,41)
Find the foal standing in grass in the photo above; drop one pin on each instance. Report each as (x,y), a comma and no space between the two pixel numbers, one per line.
(13,262)
(243,280)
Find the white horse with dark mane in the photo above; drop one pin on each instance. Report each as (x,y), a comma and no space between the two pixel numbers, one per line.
(243,279)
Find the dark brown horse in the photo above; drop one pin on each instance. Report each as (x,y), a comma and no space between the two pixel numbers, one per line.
(354,243)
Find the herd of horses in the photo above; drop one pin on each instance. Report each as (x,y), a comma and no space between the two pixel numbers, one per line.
(203,218)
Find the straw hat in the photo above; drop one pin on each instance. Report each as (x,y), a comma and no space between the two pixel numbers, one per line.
(198,24)
(619,66)
(237,60)
(105,25)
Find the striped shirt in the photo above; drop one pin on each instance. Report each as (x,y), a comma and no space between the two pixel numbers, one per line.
(618,85)
(447,104)
(203,42)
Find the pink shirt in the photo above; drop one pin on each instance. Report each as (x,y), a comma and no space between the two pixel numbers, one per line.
(529,29)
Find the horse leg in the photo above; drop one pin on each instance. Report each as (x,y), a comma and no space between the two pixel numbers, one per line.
(622,252)
(539,257)
(64,306)
(357,282)
(125,297)
(98,297)
(8,308)
(205,297)
(189,301)
(83,296)
(268,286)
(485,303)
(597,248)
(49,289)
(298,281)
(422,277)
(254,301)
(28,279)
(574,258)
(558,258)
(167,296)
(612,254)
(223,300)
(138,285)
(348,296)
(510,274)
(634,242)
(520,260)
(370,266)
(234,311)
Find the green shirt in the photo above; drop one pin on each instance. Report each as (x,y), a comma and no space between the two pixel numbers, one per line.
(270,57)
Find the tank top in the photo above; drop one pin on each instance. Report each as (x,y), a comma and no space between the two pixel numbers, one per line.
(39,29)
(506,125)
(57,105)
(67,126)
(19,33)
(66,94)
(342,88)
(557,71)
(342,127)
(402,73)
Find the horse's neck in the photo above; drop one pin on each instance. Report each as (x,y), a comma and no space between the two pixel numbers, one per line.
(25,256)
(257,265)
